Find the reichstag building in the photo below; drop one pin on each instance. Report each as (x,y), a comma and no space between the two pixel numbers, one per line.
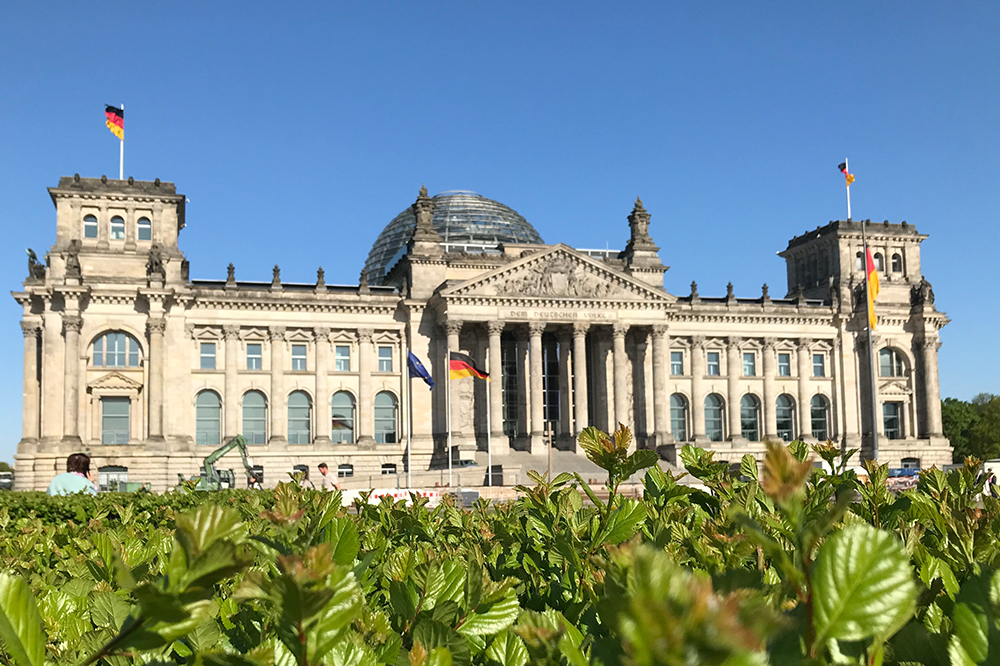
(147,370)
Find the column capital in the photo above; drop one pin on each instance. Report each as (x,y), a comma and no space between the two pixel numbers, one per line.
(72,323)
(580,329)
(802,344)
(734,341)
(770,344)
(276,333)
(536,328)
(157,325)
(660,331)
(619,329)
(494,327)
(453,326)
(231,331)
(322,333)
(365,334)
(697,342)
(30,328)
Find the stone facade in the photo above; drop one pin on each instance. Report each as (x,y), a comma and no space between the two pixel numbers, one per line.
(128,359)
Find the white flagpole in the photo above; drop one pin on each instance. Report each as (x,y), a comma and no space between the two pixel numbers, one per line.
(121,149)
(408,410)
(489,429)
(847,168)
(447,370)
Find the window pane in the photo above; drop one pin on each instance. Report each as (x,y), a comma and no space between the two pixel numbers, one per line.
(144,229)
(785,413)
(784,365)
(892,420)
(111,477)
(298,357)
(819,414)
(750,418)
(255,418)
(713,363)
(208,413)
(345,470)
(749,364)
(208,356)
(509,387)
(677,363)
(859,262)
(117,228)
(713,418)
(678,417)
(99,351)
(897,263)
(343,358)
(299,418)
(114,420)
(819,365)
(388,468)
(90,227)
(254,356)
(133,352)
(385,418)
(385,359)
(342,431)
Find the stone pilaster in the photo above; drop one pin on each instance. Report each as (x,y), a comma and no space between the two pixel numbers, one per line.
(52,374)
(157,327)
(932,387)
(661,372)
(324,418)
(277,407)
(805,371)
(30,407)
(535,330)
(72,324)
(565,340)
(231,333)
(366,416)
(734,368)
(770,391)
(620,360)
(494,329)
(581,415)
(697,388)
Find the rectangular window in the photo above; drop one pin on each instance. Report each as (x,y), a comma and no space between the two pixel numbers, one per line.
(345,470)
(819,365)
(342,355)
(114,420)
(385,359)
(677,363)
(784,365)
(298,357)
(749,365)
(713,364)
(509,384)
(208,356)
(892,420)
(255,356)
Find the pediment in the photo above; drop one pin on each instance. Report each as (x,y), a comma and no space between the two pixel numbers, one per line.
(558,272)
(893,387)
(115,381)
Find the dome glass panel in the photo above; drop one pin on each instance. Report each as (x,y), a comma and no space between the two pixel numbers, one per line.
(466,222)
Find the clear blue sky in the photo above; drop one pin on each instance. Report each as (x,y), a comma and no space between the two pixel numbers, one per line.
(298,132)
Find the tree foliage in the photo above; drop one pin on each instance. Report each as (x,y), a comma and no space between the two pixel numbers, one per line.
(973,427)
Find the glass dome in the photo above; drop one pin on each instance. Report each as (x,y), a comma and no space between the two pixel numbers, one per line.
(466,222)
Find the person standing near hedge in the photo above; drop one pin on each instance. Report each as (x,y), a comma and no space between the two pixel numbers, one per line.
(77,479)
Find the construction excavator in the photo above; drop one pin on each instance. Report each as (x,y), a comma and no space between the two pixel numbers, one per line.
(221,479)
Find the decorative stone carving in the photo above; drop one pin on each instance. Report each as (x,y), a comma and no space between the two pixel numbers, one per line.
(157,326)
(580,329)
(536,328)
(276,333)
(231,331)
(154,264)
(230,274)
(765,294)
(804,343)
(363,283)
(660,331)
(734,341)
(561,276)
(423,211)
(453,327)
(276,277)
(189,329)
(72,323)
(698,342)
(321,277)
(36,269)
(365,334)
(730,296)
(322,334)
(494,327)
(30,328)
(73,260)
(185,270)
(638,222)
(922,293)
(769,344)
(694,292)
(619,329)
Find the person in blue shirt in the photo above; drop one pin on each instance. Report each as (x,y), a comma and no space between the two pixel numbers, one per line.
(77,479)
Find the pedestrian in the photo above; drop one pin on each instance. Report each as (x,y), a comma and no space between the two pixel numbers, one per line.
(327,481)
(77,479)
(305,482)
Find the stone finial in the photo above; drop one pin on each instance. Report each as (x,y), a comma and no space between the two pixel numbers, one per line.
(276,277)
(363,283)
(730,296)
(320,278)
(694,290)
(230,274)
(638,222)
(36,269)
(425,240)
(765,294)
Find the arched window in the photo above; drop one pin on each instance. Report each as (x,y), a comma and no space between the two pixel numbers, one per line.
(116,350)
(890,363)
(299,418)
(144,230)
(117,228)
(343,418)
(750,418)
(90,227)
(784,410)
(678,417)
(879,262)
(714,418)
(859,261)
(208,417)
(897,263)
(255,417)
(820,413)
(385,418)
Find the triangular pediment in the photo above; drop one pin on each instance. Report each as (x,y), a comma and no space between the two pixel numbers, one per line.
(115,381)
(893,387)
(558,272)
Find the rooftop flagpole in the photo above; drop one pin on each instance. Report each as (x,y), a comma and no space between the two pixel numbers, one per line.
(121,152)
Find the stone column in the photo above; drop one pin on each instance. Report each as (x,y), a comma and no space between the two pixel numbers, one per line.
(697,390)
(52,374)
(582,415)
(805,371)
(535,330)
(277,406)
(620,360)
(770,393)
(494,329)
(661,372)
(932,389)
(523,385)
(157,327)
(231,333)
(324,419)
(453,329)
(30,404)
(734,367)
(366,416)
(71,378)
(565,339)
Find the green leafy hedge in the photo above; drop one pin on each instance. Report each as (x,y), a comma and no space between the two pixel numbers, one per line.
(785,565)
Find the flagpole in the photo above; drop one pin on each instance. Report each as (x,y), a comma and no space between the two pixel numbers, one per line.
(121,150)
(489,429)
(447,370)
(408,410)
(871,345)
(847,169)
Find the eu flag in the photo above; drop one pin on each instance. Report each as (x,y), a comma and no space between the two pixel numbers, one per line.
(417,369)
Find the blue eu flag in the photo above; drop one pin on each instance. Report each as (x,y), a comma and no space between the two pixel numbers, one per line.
(417,369)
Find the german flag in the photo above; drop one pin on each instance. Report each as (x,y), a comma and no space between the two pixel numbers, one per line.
(873,286)
(115,121)
(849,177)
(462,365)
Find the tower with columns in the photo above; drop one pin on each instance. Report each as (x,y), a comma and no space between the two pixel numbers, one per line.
(129,359)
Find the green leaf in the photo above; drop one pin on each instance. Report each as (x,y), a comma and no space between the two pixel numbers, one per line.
(977,625)
(862,585)
(748,467)
(492,617)
(473,584)
(20,622)
(433,634)
(342,534)
(507,649)
(109,611)
(623,522)
(209,523)
(959,657)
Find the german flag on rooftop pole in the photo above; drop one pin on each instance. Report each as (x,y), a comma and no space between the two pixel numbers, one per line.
(461,365)
(115,120)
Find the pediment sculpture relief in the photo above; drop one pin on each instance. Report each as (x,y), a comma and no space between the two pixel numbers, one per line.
(559,276)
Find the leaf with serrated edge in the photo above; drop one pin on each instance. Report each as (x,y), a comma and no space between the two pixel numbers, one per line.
(20,622)
(507,649)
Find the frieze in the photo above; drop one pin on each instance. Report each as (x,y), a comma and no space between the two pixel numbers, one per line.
(557,315)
